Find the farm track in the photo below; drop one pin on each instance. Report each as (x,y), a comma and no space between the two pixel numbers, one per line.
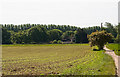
(116,59)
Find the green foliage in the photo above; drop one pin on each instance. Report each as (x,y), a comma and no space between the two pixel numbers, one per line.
(6,36)
(69,35)
(37,34)
(54,42)
(17,28)
(89,30)
(80,36)
(117,39)
(20,37)
(59,42)
(99,38)
(111,29)
(55,34)
(115,48)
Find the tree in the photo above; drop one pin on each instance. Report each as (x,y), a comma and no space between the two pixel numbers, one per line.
(19,37)
(117,39)
(37,34)
(99,38)
(68,35)
(89,30)
(40,32)
(81,36)
(111,29)
(55,34)
(5,36)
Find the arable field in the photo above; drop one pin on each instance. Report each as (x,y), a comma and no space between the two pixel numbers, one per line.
(115,48)
(67,59)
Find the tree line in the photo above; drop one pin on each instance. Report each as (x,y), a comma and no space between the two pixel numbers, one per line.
(39,33)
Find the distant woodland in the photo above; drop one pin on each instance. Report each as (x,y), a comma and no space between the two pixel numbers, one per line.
(42,34)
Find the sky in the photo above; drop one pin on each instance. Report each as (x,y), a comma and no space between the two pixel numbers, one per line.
(81,13)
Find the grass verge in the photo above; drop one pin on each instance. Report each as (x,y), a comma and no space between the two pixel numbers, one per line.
(115,48)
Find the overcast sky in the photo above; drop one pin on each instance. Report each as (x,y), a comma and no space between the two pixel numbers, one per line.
(82,13)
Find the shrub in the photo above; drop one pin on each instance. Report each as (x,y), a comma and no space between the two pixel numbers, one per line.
(54,42)
(59,42)
(99,38)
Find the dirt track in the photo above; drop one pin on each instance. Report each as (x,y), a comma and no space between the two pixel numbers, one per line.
(116,59)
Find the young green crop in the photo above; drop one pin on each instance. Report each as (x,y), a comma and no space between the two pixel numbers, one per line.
(55,59)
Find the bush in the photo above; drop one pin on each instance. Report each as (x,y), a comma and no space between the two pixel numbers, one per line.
(33,43)
(99,39)
(50,42)
(23,42)
(59,42)
(54,42)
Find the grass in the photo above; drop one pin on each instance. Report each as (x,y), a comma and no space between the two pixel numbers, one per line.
(56,59)
(115,48)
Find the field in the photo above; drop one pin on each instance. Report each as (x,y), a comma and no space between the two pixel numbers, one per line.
(115,48)
(60,59)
